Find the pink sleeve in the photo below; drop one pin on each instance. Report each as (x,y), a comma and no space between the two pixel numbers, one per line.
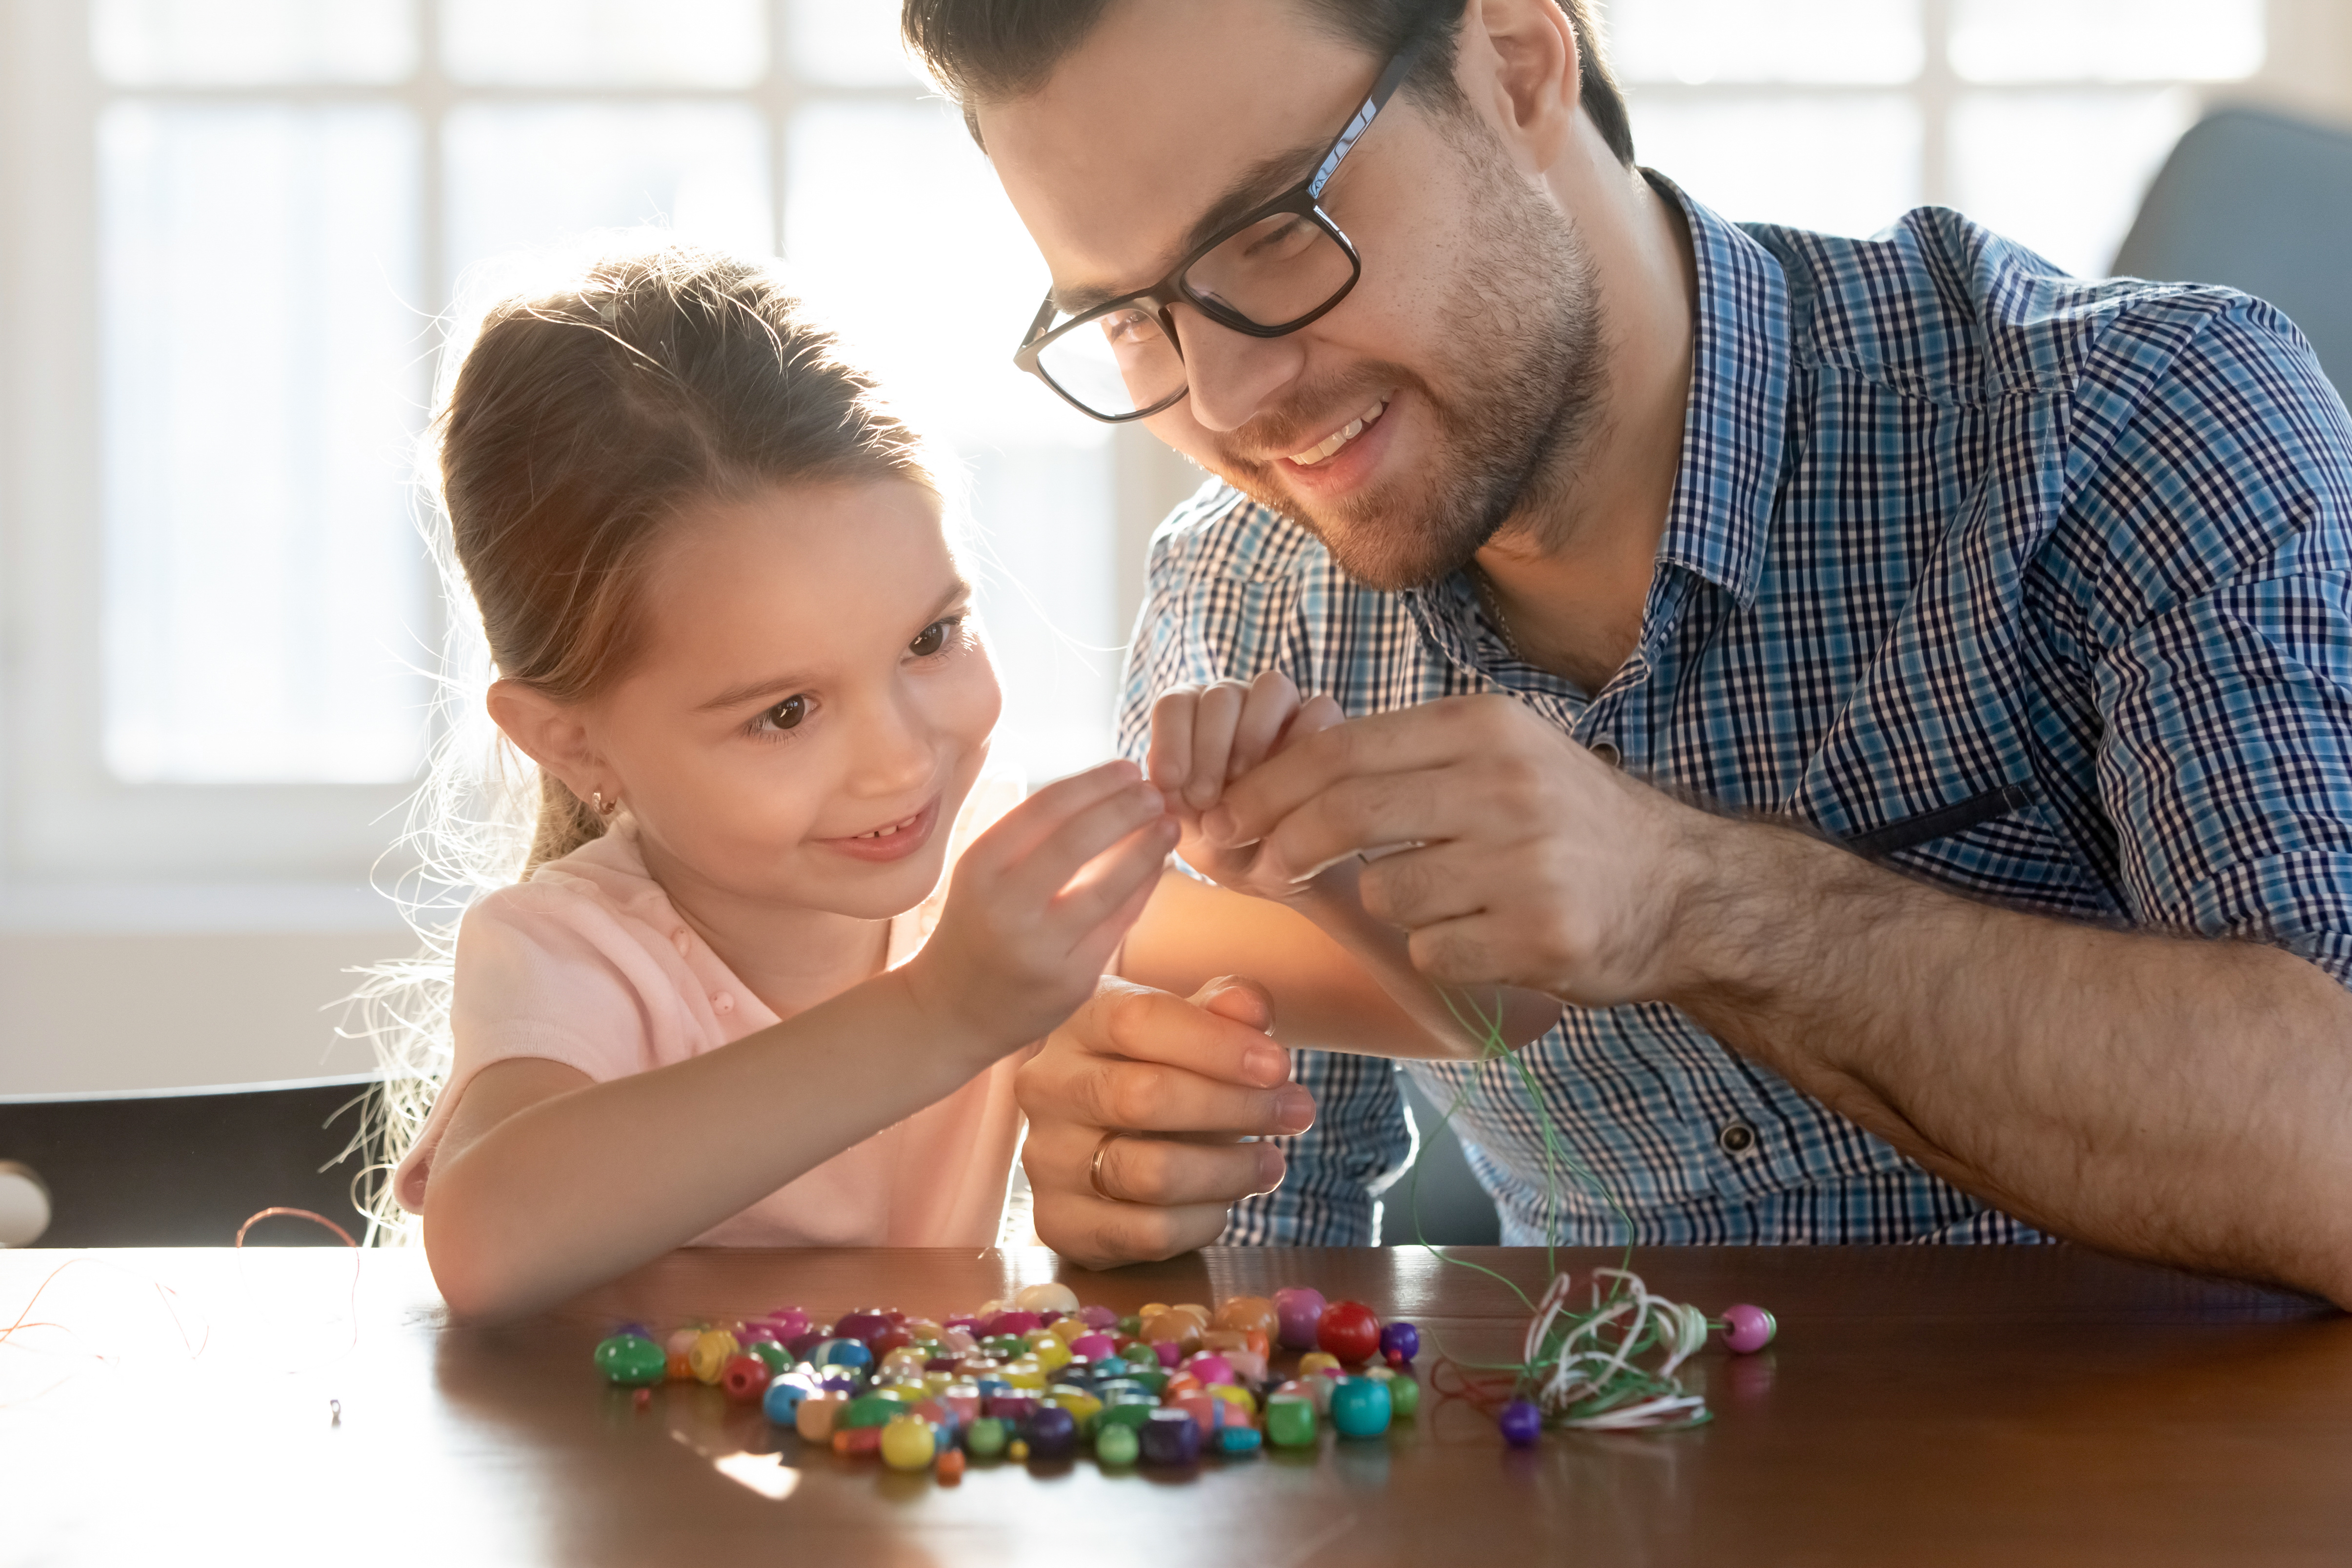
(544,970)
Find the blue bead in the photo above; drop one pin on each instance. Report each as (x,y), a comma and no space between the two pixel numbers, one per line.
(782,1400)
(1170,1437)
(1521,1423)
(849,1353)
(1361,1408)
(1400,1341)
(1240,1439)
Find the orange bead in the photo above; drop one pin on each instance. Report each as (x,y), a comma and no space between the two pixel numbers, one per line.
(679,1368)
(1247,1314)
(950,1467)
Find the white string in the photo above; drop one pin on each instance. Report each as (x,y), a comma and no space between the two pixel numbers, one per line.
(1587,1362)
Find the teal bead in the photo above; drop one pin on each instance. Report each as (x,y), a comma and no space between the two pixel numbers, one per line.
(1361,1408)
(1239,1440)
(632,1359)
(1117,1445)
(985,1438)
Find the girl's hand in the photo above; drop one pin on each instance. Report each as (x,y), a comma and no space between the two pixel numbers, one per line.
(1204,738)
(1039,903)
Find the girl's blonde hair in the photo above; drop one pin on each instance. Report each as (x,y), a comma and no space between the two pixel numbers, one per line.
(580,424)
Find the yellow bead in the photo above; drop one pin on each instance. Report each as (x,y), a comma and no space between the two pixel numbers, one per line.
(1023,1373)
(1083,1407)
(1051,1354)
(1232,1393)
(908,1442)
(712,1349)
(1314,1362)
(1068,1329)
(1016,1450)
(922,1329)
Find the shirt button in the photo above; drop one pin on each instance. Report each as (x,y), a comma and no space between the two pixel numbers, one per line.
(722,1003)
(1735,1137)
(1605,752)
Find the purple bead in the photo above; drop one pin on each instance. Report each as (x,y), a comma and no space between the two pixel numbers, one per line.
(1170,1437)
(1521,1423)
(753,1333)
(802,1344)
(1746,1329)
(1012,1324)
(1053,1433)
(1400,1341)
(1009,1408)
(1300,1311)
(1101,1317)
(1168,1352)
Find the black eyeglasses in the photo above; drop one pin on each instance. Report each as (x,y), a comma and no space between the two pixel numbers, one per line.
(1274,271)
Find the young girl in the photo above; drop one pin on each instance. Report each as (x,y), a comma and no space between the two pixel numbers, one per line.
(724,1003)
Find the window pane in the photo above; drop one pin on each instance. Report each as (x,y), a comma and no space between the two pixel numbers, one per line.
(897,230)
(1743,40)
(265,588)
(664,43)
(2063,172)
(849,43)
(2106,40)
(525,176)
(232,42)
(1840,165)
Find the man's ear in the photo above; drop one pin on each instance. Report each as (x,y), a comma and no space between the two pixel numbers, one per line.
(551,734)
(1518,61)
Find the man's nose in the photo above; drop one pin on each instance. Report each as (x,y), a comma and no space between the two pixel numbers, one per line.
(1232,376)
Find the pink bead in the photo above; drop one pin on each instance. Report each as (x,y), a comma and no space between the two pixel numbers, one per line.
(1094,1347)
(1746,1329)
(1299,1310)
(1169,1353)
(1013,1323)
(1210,1368)
(1098,1318)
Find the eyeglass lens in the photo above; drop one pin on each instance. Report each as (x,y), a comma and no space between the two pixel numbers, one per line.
(1279,270)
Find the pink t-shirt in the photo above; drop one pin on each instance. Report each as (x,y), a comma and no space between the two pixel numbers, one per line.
(589,964)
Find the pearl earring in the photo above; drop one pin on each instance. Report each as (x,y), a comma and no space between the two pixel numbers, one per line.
(596,802)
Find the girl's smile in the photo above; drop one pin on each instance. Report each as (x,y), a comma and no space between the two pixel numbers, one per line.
(892,840)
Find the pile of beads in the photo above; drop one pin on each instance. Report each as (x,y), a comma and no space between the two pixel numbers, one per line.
(1040,1377)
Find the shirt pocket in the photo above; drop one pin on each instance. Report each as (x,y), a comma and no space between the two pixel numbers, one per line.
(1999,844)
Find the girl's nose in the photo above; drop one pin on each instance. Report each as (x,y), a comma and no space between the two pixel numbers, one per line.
(893,747)
(1232,374)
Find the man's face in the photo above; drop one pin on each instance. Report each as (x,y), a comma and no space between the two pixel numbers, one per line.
(1467,358)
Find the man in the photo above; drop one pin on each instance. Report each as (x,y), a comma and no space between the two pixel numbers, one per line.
(1897,698)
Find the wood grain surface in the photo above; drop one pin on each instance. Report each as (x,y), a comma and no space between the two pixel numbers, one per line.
(1923,1406)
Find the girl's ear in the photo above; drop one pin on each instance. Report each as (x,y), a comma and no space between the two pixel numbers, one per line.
(550,733)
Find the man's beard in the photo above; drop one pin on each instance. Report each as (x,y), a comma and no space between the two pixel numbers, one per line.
(1521,353)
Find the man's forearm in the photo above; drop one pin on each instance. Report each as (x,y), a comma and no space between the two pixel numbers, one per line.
(2178,1099)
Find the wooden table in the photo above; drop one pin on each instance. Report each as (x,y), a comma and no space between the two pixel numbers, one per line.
(1923,1406)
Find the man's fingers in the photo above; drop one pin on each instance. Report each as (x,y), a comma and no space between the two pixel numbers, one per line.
(1266,714)
(1431,735)
(1167,1172)
(1417,887)
(1318,713)
(1126,1022)
(1363,813)
(1096,1233)
(1214,721)
(1168,760)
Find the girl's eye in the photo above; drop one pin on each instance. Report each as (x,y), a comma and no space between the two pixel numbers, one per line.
(934,638)
(787,714)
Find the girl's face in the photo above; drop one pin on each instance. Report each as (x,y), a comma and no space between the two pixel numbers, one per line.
(812,701)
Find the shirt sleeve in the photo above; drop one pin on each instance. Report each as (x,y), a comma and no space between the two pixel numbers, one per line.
(2220,621)
(1201,623)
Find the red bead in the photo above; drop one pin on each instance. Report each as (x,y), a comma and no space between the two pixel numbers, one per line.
(1350,1331)
(745,1379)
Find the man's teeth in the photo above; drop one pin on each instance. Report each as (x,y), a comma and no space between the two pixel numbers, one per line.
(1340,437)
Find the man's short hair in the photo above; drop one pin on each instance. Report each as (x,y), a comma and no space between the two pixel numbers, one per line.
(998,49)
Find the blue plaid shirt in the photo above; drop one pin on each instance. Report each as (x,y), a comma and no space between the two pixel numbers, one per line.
(2033,587)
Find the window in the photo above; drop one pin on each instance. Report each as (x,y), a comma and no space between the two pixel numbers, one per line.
(264,213)
(2043,119)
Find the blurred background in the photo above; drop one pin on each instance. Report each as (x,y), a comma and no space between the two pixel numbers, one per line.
(230,231)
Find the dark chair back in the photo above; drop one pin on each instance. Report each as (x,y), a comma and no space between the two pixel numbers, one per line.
(187,1169)
(2261,202)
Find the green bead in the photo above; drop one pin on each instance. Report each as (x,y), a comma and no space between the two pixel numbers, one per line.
(1115,1444)
(632,1359)
(1154,1382)
(1290,1421)
(778,1358)
(1404,1394)
(984,1438)
(875,1409)
(1131,1325)
(1132,1413)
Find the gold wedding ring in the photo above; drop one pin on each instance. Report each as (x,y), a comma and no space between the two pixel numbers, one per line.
(1094,1172)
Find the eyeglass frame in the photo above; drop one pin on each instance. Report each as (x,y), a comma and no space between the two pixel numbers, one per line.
(1303,200)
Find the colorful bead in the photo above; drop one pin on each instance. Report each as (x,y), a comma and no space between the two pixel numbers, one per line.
(814,1419)
(1404,1397)
(1247,1314)
(1240,1440)
(908,1444)
(1290,1421)
(857,1440)
(1051,1298)
(1017,1451)
(1209,1368)
(1400,1342)
(778,1358)
(631,1359)
(1298,1312)
(1170,1437)
(1359,1407)
(745,1379)
(1746,1329)
(984,1438)
(1094,1346)
(1314,1362)
(1235,1397)
(874,1409)
(862,1326)
(1053,1433)
(1116,1445)
(949,1467)
(782,1402)
(1350,1331)
(1521,1423)
(712,1349)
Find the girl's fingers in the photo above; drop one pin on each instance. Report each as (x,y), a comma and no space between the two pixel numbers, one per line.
(1272,703)
(1033,881)
(1168,761)
(1016,836)
(1318,713)
(1094,950)
(1111,881)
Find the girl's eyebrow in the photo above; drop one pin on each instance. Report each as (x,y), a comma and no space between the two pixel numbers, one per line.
(737,696)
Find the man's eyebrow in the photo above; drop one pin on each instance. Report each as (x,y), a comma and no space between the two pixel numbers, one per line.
(1258,184)
(783,686)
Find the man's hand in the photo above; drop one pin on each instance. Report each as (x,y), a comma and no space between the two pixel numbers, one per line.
(1204,738)
(1134,1063)
(1528,861)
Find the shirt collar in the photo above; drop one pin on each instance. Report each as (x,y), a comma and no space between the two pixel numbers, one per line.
(1722,509)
